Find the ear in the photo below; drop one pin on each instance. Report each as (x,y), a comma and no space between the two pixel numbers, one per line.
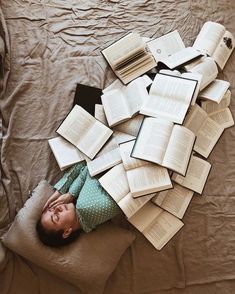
(67,232)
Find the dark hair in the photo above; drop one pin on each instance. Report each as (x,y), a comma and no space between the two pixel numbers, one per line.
(54,238)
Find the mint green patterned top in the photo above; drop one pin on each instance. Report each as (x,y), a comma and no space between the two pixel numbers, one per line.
(94,205)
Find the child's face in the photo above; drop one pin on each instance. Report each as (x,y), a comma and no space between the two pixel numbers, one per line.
(59,217)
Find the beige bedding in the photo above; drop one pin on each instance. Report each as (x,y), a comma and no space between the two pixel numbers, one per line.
(55,44)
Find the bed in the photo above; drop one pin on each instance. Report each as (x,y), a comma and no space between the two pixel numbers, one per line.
(47,48)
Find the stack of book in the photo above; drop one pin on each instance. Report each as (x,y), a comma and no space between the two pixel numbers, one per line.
(148,140)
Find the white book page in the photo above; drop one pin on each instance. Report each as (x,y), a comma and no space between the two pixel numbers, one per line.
(104,162)
(76,124)
(116,85)
(170,72)
(209,37)
(152,140)
(196,176)
(215,91)
(195,118)
(210,106)
(128,161)
(223,117)
(115,182)
(198,78)
(208,69)
(179,149)
(162,229)
(180,57)
(224,49)
(115,107)
(175,200)
(100,114)
(111,144)
(130,205)
(148,179)
(145,216)
(166,45)
(94,139)
(65,153)
(170,98)
(121,137)
(131,126)
(207,137)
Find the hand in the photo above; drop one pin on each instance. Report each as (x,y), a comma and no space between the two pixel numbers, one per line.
(52,198)
(62,199)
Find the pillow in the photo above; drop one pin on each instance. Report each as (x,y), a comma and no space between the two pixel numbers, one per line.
(87,263)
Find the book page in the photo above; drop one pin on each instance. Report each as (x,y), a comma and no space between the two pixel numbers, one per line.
(209,37)
(121,137)
(94,139)
(131,126)
(125,153)
(130,205)
(195,118)
(76,124)
(223,117)
(148,179)
(170,97)
(152,140)
(180,57)
(111,144)
(100,114)
(145,216)
(196,176)
(116,85)
(175,200)
(165,45)
(65,153)
(215,91)
(104,162)
(207,137)
(115,107)
(179,149)
(210,106)
(115,182)
(198,78)
(208,69)
(162,229)
(224,49)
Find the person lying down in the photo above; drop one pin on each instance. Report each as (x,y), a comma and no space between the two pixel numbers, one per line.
(79,203)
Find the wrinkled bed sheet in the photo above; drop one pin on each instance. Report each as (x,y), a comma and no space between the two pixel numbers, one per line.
(50,46)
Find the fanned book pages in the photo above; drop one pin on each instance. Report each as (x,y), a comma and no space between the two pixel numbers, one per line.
(166,45)
(129,58)
(122,104)
(196,176)
(156,224)
(65,153)
(166,144)
(175,200)
(215,91)
(143,177)
(210,106)
(104,162)
(216,41)
(205,66)
(116,184)
(169,97)
(207,131)
(84,131)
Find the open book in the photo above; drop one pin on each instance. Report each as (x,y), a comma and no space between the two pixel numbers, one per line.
(65,153)
(143,177)
(121,104)
(169,97)
(104,162)
(210,106)
(206,67)
(157,225)
(164,143)
(216,41)
(84,131)
(223,117)
(196,176)
(207,131)
(175,200)
(129,58)
(116,184)
(215,91)
(165,45)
